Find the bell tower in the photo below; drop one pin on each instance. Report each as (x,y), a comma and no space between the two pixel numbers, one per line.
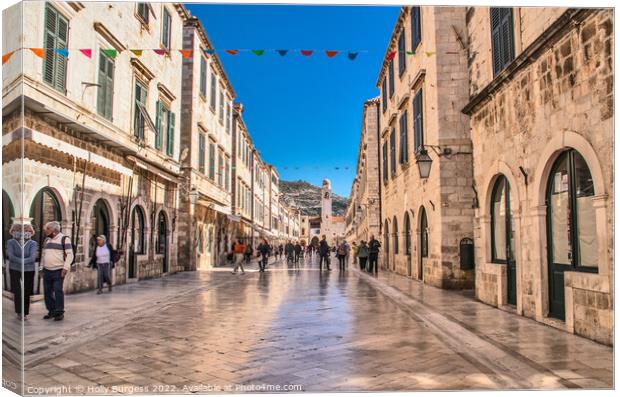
(326,209)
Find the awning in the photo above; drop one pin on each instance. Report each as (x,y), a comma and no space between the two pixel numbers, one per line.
(152,169)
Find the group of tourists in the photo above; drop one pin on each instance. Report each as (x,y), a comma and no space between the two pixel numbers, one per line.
(54,263)
(367,254)
(243,253)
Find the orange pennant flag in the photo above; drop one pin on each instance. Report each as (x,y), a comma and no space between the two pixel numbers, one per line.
(331,53)
(38,52)
(7,56)
(186,53)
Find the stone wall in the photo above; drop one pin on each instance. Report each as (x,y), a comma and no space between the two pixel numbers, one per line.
(559,97)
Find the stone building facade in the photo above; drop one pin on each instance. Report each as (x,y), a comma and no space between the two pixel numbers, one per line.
(99,137)
(206,147)
(541,110)
(363,211)
(424,84)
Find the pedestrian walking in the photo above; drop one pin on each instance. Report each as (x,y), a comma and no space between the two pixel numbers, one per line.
(289,250)
(248,253)
(342,253)
(56,259)
(22,254)
(354,248)
(324,253)
(373,254)
(362,254)
(103,261)
(263,249)
(239,253)
(280,251)
(298,251)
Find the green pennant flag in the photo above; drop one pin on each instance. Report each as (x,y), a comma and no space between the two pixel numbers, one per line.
(110,53)
(410,52)
(258,52)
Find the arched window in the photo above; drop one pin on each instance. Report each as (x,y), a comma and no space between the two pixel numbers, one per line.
(160,245)
(100,223)
(571,215)
(407,234)
(395,235)
(386,237)
(137,229)
(45,208)
(502,233)
(423,234)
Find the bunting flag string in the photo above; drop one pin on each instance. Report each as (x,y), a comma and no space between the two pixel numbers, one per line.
(187,53)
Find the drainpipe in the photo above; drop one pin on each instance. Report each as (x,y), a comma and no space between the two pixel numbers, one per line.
(379,154)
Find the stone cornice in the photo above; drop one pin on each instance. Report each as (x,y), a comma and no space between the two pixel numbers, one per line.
(565,22)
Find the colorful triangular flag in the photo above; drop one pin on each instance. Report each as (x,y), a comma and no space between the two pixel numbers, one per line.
(306,52)
(391,55)
(410,52)
(137,53)
(282,52)
(331,53)
(160,51)
(210,51)
(7,56)
(429,53)
(63,52)
(87,52)
(40,52)
(110,52)
(352,55)
(258,52)
(186,53)
(232,52)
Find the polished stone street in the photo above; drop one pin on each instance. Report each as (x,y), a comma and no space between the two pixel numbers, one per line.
(297,329)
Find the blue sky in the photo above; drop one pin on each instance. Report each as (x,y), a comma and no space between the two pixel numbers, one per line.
(304,113)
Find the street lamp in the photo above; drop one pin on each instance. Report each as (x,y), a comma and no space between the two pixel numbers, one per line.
(424,162)
(193,196)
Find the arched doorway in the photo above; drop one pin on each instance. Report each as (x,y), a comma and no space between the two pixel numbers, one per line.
(407,235)
(571,225)
(8,213)
(422,242)
(137,241)
(45,208)
(503,235)
(161,245)
(394,241)
(386,241)
(99,223)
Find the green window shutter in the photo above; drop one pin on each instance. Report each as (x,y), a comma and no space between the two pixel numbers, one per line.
(49,42)
(170,140)
(109,89)
(203,76)
(101,90)
(201,153)
(166,29)
(61,61)
(158,125)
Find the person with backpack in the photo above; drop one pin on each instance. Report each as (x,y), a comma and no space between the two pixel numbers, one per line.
(263,249)
(341,253)
(239,251)
(22,254)
(362,254)
(373,254)
(103,260)
(56,260)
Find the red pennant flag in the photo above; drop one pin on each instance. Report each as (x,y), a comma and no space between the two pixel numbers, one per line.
(186,53)
(38,52)
(232,52)
(7,56)
(160,52)
(391,55)
(331,53)
(87,52)
(306,52)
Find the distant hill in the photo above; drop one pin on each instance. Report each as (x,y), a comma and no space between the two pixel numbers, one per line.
(307,197)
